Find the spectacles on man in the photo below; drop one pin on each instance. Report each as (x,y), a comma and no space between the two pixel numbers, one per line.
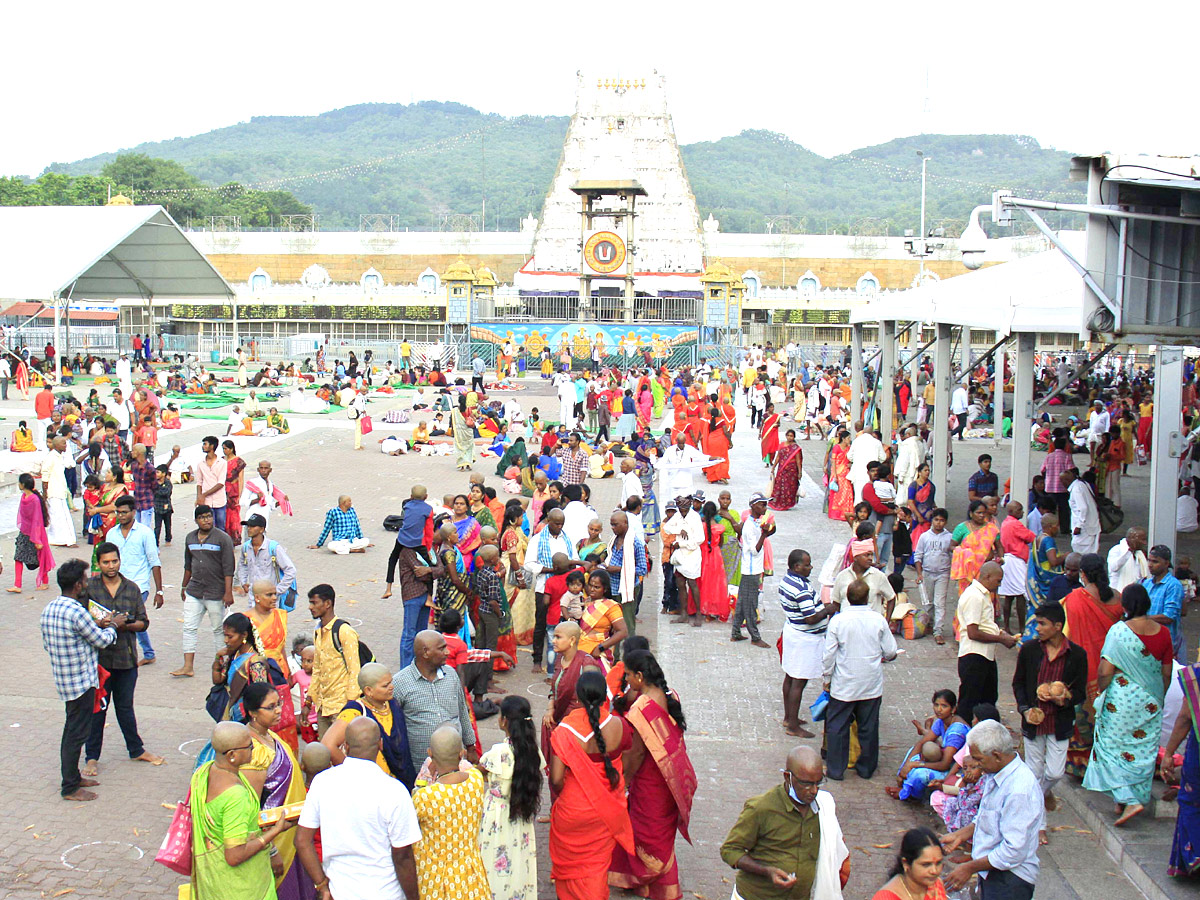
(804,784)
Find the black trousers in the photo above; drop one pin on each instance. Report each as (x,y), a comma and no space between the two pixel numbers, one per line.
(120,686)
(1062,500)
(75,732)
(838,717)
(602,433)
(962,423)
(978,683)
(1002,884)
(162,521)
(477,383)
(670,598)
(487,633)
(539,627)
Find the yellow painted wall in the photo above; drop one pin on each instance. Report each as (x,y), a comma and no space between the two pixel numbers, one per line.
(286,268)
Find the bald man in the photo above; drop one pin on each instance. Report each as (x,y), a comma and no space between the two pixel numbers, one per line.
(415,531)
(343,529)
(539,560)
(787,842)
(1016,539)
(979,636)
(430,695)
(367,822)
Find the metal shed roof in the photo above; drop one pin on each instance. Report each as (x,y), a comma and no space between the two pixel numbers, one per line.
(100,253)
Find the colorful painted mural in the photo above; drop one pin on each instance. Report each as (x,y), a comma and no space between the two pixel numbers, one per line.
(582,339)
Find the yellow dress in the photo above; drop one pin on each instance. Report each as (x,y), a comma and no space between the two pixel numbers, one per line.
(385,723)
(449,864)
(1128,435)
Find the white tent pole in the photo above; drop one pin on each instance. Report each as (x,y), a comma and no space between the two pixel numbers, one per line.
(1167,443)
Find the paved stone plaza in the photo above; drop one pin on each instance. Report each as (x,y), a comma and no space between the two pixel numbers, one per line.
(731,692)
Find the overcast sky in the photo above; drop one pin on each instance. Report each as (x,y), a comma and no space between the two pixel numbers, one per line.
(833,77)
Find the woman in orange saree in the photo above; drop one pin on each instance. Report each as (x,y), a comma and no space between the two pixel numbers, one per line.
(679,410)
(271,623)
(662,783)
(1092,609)
(768,434)
(975,541)
(716,444)
(589,817)
(789,469)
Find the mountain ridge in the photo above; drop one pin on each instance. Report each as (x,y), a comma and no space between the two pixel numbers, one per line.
(429,161)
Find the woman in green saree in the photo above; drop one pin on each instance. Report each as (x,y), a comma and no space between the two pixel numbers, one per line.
(1135,671)
(464,435)
(228,858)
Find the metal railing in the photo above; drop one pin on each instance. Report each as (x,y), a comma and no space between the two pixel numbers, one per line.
(569,308)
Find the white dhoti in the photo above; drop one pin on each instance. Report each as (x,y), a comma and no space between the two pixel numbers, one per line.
(345,546)
(859,482)
(803,653)
(1016,571)
(1088,542)
(60,530)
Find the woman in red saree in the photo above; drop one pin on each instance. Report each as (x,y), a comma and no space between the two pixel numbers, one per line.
(768,435)
(589,817)
(841,501)
(662,784)
(714,584)
(679,410)
(1092,609)
(789,469)
(235,483)
(716,444)
(570,663)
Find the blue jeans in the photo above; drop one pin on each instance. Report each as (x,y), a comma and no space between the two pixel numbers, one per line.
(143,638)
(413,610)
(219,517)
(146,517)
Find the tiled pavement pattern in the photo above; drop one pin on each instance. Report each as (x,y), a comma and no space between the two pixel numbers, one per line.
(730,692)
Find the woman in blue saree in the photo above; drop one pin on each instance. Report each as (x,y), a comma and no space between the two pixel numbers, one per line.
(1135,669)
(945,731)
(1185,848)
(1045,564)
(920,502)
(243,662)
(644,455)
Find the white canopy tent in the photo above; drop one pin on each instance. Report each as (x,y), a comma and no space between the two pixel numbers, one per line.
(48,253)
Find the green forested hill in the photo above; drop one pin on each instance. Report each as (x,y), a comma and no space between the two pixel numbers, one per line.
(425,162)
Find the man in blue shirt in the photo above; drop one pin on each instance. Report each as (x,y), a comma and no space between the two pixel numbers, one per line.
(985,482)
(1166,595)
(1004,835)
(139,563)
(627,565)
(415,512)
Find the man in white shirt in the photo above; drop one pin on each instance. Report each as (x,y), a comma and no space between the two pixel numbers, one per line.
(755,531)
(864,449)
(262,495)
(566,399)
(686,558)
(979,634)
(857,643)
(5,375)
(1098,424)
(880,597)
(1085,515)
(959,403)
(1187,513)
(910,456)
(119,410)
(577,515)
(368,825)
(1127,560)
(677,466)
(631,482)
(60,530)
(124,374)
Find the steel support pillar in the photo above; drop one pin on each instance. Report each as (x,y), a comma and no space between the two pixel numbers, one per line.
(1022,417)
(1167,444)
(940,438)
(887,375)
(856,373)
(964,348)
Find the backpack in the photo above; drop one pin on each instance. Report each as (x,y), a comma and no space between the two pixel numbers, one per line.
(364,652)
(287,602)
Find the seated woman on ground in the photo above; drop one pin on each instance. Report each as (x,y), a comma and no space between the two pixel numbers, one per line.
(22,439)
(942,735)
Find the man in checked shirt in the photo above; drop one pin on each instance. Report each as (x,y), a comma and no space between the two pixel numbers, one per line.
(343,530)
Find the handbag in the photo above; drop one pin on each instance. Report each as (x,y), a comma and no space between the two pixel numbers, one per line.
(25,553)
(817,709)
(367,426)
(834,487)
(217,702)
(176,850)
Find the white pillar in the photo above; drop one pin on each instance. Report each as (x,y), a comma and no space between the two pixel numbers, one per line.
(964,348)
(1022,416)
(1166,444)
(914,344)
(856,374)
(940,438)
(57,324)
(887,373)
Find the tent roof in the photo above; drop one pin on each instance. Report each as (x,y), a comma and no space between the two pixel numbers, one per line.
(106,252)
(1042,293)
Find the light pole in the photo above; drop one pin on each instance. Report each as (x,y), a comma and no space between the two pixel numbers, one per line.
(924,165)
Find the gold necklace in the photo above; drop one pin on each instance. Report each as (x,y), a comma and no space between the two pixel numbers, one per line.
(904,884)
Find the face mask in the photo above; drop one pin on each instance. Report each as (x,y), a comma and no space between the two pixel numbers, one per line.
(792,793)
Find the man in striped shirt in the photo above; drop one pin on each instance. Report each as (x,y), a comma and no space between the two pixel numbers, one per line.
(803,637)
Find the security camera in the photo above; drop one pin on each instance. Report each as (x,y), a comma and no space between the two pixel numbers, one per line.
(973,243)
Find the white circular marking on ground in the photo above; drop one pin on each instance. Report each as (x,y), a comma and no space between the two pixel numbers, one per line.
(537,689)
(133,853)
(353,622)
(200,741)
